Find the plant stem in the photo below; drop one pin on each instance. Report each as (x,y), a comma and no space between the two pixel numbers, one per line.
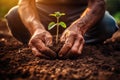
(57,30)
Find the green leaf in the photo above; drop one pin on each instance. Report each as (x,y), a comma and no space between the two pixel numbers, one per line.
(51,25)
(62,24)
(57,14)
(62,14)
(53,15)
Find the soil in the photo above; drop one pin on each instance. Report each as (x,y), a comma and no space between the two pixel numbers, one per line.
(97,62)
(56,46)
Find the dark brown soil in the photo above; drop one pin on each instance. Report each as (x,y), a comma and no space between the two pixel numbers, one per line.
(56,46)
(98,62)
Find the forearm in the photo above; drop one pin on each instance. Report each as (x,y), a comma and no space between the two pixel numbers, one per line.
(91,15)
(29,16)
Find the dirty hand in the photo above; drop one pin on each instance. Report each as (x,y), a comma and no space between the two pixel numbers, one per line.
(73,42)
(115,37)
(39,43)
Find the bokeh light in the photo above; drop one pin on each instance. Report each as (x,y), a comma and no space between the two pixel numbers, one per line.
(5,5)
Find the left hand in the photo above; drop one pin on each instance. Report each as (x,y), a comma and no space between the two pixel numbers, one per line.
(73,42)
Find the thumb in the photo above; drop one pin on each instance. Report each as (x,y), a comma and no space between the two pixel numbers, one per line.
(64,35)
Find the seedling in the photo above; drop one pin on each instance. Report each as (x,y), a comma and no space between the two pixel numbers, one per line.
(58,23)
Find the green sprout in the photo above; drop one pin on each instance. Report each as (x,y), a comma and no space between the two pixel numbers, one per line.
(51,25)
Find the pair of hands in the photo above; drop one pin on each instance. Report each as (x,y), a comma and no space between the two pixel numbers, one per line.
(72,39)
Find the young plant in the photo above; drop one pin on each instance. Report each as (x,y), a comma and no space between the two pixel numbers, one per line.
(58,23)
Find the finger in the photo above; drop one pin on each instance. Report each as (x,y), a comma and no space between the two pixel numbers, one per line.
(74,52)
(67,46)
(109,40)
(76,45)
(81,46)
(38,54)
(45,50)
(48,41)
(63,38)
(64,35)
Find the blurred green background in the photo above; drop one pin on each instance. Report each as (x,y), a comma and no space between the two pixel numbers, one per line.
(113,6)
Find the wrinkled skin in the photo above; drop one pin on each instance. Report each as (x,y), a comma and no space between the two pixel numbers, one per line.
(73,42)
(39,44)
(72,36)
(41,39)
(115,37)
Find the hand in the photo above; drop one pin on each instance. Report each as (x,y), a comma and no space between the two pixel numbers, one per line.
(73,42)
(39,42)
(115,37)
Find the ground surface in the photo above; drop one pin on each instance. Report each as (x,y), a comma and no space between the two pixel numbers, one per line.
(98,62)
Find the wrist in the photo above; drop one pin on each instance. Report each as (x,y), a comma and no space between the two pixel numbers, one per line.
(37,27)
(38,30)
(80,27)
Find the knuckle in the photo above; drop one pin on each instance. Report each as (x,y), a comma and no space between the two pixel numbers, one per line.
(32,41)
(73,34)
(70,33)
(49,35)
(48,38)
(63,38)
(80,36)
(81,39)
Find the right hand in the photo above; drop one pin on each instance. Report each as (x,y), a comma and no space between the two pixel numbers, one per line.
(73,42)
(39,43)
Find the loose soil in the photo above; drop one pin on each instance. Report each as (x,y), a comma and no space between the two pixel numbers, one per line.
(97,62)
